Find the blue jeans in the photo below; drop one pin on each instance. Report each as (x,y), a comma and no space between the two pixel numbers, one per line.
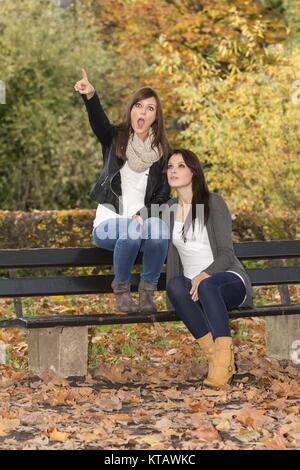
(217,294)
(126,237)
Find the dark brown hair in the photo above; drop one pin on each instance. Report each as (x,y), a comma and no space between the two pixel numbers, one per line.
(199,186)
(124,129)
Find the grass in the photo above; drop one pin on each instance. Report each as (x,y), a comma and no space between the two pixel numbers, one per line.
(17,363)
(242,332)
(94,351)
(128,349)
(106,327)
(162,342)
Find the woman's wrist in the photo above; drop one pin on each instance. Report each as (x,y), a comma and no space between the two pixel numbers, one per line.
(90,95)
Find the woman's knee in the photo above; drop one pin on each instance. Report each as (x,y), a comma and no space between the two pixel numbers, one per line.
(130,230)
(175,285)
(206,286)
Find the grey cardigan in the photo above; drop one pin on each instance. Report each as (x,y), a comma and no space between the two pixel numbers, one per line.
(219,227)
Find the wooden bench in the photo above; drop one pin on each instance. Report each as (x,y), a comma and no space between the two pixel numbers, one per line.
(60,341)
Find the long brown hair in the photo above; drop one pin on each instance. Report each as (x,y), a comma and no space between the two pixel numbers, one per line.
(199,186)
(124,129)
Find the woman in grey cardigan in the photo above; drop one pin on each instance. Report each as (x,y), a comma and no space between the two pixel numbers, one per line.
(204,277)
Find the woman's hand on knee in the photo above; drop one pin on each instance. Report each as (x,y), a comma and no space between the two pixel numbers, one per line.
(138,218)
(195,284)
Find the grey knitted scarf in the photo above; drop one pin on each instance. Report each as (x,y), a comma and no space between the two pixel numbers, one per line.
(139,153)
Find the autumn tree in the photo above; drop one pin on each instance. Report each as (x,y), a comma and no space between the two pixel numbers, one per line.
(225,75)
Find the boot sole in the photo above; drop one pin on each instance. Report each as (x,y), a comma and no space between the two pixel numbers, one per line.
(148,311)
(216,387)
(229,382)
(122,312)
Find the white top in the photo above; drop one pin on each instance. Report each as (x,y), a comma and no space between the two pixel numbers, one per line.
(196,254)
(134,186)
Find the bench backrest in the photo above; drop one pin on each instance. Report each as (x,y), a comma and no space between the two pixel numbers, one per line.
(93,284)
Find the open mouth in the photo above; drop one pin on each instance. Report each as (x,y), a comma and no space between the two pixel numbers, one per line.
(141,123)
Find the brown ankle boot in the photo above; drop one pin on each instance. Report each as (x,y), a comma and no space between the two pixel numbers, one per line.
(146,291)
(207,345)
(124,302)
(224,367)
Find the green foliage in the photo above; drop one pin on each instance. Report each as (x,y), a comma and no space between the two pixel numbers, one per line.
(72,228)
(245,128)
(292,9)
(48,157)
(225,72)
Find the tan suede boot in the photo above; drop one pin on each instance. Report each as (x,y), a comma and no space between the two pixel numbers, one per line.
(207,345)
(224,367)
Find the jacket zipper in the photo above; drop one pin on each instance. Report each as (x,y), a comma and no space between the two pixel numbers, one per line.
(103,182)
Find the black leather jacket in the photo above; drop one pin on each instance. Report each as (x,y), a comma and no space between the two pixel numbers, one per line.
(107,188)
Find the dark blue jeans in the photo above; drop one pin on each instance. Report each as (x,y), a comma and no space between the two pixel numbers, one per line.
(217,294)
(126,237)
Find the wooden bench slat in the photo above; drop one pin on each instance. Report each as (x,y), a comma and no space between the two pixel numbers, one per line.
(65,285)
(267,250)
(139,317)
(274,276)
(51,257)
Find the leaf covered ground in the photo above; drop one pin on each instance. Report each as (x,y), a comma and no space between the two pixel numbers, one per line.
(144,391)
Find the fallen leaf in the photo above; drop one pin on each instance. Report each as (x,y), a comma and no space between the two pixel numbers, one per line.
(109,404)
(110,373)
(290,428)
(10,380)
(97,434)
(206,432)
(171,352)
(224,426)
(163,424)
(250,416)
(248,436)
(213,393)
(55,435)
(7,425)
(58,397)
(287,388)
(152,441)
(173,394)
(277,443)
(122,418)
(35,418)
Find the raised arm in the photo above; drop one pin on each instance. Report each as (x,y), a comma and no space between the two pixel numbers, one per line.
(99,122)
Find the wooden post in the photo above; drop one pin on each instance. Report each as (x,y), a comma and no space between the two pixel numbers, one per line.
(282,331)
(64,350)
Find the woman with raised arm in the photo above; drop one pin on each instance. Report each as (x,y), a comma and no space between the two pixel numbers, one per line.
(132,180)
(204,277)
